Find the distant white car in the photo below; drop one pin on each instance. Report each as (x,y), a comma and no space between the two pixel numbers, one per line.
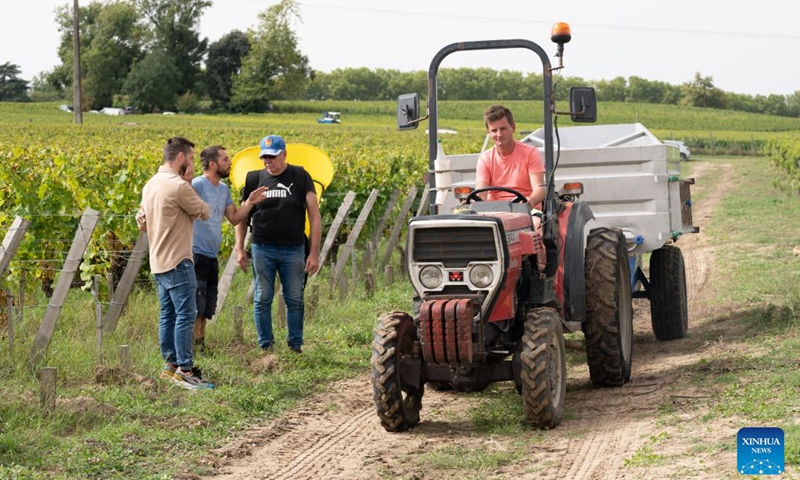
(682,148)
(445,131)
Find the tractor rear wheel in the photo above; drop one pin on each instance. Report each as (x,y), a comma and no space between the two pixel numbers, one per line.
(397,403)
(669,311)
(544,369)
(609,312)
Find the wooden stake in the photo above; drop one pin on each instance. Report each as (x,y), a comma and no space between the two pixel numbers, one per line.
(98,313)
(125,357)
(21,307)
(389,274)
(394,238)
(47,388)
(10,316)
(238,334)
(125,285)
(110,282)
(74,258)
(369,283)
(281,310)
(334,230)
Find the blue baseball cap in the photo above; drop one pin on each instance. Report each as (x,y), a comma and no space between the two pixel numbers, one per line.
(272,145)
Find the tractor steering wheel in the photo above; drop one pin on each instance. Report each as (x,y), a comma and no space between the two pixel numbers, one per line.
(473,196)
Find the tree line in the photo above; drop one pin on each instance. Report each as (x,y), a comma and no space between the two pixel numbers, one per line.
(149,54)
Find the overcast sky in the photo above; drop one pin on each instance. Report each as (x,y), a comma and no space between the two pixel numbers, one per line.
(751,48)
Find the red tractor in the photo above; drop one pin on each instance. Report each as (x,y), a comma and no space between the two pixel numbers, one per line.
(485,310)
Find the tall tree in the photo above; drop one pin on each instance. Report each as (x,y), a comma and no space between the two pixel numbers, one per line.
(612,90)
(701,92)
(223,63)
(399,83)
(111,41)
(319,88)
(356,84)
(508,85)
(642,90)
(275,67)
(466,83)
(773,104)
(175,32)
(12,88)
(793,102)
(44,91)
(151,83)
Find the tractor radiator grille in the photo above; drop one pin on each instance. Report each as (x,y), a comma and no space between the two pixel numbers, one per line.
(455,247)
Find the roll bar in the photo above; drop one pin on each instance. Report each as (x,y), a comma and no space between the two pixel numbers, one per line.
(433,111)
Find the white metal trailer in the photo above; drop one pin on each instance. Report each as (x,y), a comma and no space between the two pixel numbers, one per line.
(631,181)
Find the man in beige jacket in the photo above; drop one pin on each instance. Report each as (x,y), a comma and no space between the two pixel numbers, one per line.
(167,213)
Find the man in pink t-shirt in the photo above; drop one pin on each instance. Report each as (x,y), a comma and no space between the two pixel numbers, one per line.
(509,163)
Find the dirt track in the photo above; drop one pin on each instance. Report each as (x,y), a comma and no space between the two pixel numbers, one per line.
(338,436)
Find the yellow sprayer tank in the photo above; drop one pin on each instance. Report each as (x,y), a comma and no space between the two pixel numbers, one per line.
(316,162)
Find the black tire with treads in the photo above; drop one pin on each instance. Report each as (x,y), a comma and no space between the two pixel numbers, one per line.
(398,406)
(609,312)
(669,310)
(543,369)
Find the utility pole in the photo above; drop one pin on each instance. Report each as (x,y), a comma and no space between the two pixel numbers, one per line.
(77,100)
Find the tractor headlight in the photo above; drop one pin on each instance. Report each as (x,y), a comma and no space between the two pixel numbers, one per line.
(431,276)
(481,275)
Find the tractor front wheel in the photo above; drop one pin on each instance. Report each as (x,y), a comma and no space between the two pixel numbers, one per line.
(609,311)
(397,403)
(669,311)
(543,369)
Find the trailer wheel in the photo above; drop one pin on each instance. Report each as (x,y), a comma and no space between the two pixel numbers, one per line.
(543,369)
(609,313)
(669,311)
(397,403)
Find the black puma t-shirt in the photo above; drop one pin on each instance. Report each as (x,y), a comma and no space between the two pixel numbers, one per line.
(281,218)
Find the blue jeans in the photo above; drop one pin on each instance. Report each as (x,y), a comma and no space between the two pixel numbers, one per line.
(289,262)
(177,294)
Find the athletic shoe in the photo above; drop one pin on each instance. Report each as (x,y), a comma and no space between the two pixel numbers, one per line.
(297,349)
(191,380)
(168,372)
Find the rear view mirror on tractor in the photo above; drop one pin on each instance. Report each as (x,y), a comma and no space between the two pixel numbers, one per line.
(407,111)
(582,105)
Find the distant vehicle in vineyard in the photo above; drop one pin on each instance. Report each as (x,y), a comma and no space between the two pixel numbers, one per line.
(682,148)
(330,118)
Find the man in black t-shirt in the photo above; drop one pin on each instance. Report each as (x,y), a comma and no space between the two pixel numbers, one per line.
(278,241)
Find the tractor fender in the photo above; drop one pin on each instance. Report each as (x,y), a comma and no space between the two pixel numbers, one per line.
(574,277)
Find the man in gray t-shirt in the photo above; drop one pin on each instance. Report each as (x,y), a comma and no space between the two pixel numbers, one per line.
(208,233)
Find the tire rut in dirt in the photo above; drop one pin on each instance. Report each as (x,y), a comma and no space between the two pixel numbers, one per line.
(544,371)
(669,310)
(318,457)
(397,405)
(609,312)
(599,455)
